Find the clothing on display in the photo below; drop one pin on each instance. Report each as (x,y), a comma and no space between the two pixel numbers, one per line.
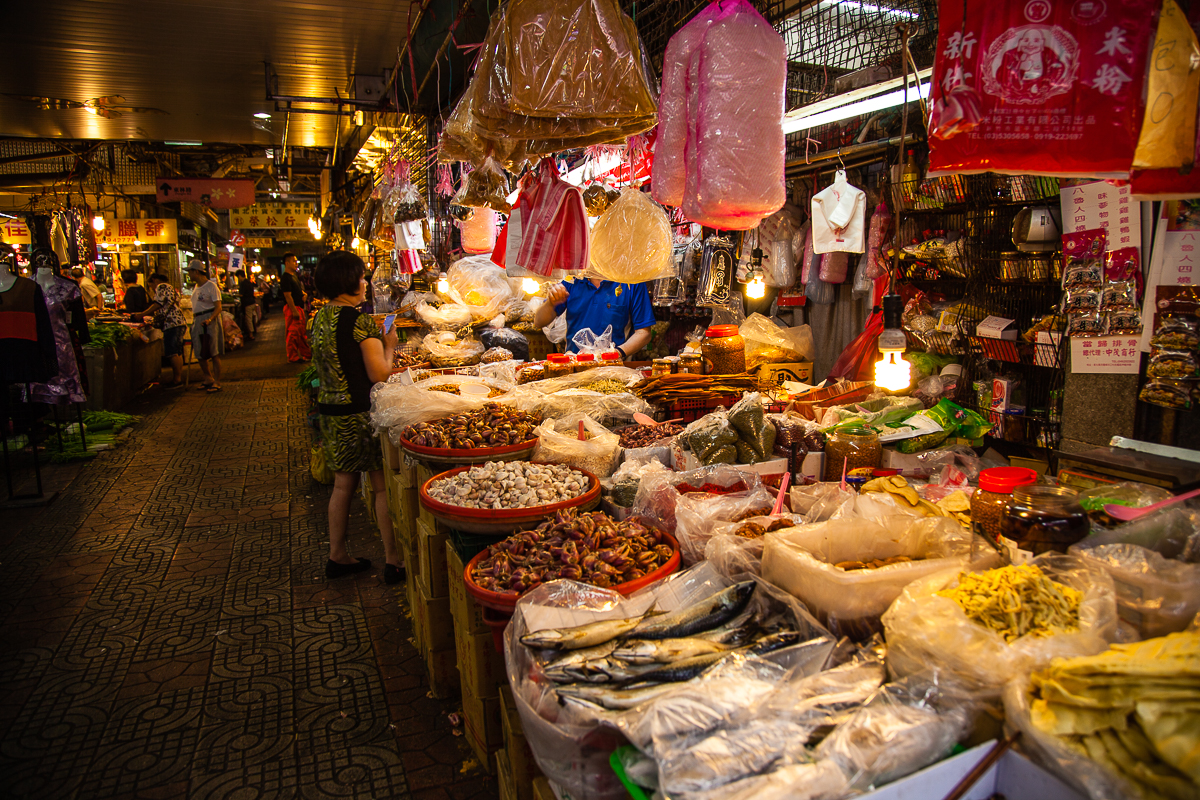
(27,352)
(839,218)
(64,302)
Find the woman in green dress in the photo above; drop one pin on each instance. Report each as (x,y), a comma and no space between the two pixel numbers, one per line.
(351,355)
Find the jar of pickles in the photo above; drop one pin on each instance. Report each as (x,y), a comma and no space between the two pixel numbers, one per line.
(558,365)
(851,448)
(724,350)
(1044,519)
(660,366)
(583,361)
(990,502)
(691,363)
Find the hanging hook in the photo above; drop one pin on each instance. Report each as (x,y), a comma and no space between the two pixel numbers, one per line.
(842,163)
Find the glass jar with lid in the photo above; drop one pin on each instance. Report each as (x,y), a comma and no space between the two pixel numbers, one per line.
(584,361)
(691,363)
(1044,519)
(558,365)
(660,366)
(724,350)
(853,448)
(611,359)
(990,502)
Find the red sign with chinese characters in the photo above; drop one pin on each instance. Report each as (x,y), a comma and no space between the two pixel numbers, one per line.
(210,192)
(131,231)
(1052,87)
(237,238)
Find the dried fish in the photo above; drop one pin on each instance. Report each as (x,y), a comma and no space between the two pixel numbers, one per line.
(589,635)
(716,610)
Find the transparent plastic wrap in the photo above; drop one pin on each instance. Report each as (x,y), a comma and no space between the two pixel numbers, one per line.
(447,350)
(834,267)
(668,171)
(479,232)
(740,71)
(754,431)
(658,494)
(395,406)
(514,342)
(481,286)
(487,187)
(1155,595)
(696,514)
(821,501)
(1172,532)
(588,341)
(557,397)
(712,438)
(1124,493)
(558,443)
(448,317)
(728,754)
(904,727)
(828,565)
(926,630)
(877,238)
(768,342)
(631,242)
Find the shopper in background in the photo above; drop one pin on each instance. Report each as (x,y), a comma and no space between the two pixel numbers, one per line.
(248,310)
(208,336)
(169,317)
(135,295)
(351,355)
(597,304)
(93,298)
(293,311)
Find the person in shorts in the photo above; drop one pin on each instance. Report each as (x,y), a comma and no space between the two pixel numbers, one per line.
(208,335)
(168,316)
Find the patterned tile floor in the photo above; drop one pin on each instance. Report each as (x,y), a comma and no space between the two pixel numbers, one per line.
(168,630)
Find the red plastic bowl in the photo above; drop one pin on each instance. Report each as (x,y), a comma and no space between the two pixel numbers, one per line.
(478,455)
(502,520)
(506,602)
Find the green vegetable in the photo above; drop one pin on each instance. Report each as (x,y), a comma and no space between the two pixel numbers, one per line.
(107,334)
(307,377)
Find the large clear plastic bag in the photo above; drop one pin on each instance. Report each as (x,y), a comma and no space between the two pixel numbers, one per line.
(696,515)
(802,560)
(557,397)
(593,343)
(395,406)
(767,342)
(480,285)
(925,631)
(631,242)
(447,350)
(658,494)
(448,317)
(877,237)
(559,443)
(487,187)
(740,68)
(821,501)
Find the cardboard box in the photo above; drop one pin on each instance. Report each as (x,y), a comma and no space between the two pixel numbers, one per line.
(441,668)
(520,756)
(393,457)
(1001,398)
(402,502)
(504,777)
(776,374)
(423,474)
(411,594)
(482,720)
(431,559)
(542,790)
(479,665)
(431,617)
(997,328)
(467,614)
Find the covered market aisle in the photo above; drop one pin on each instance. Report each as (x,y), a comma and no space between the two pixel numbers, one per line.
(168,630)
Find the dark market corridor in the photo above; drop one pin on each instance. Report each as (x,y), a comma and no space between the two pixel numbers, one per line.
(168,630)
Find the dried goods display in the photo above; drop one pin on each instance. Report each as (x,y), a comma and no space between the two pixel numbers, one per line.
(1016,601)
(495,354)
(510,484)
(605,386)
(591,548)
(646,435)
(405,359)
(493,425)
(875,563)
(667,389)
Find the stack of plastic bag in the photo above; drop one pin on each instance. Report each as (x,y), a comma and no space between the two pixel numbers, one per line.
(631,242)
(720,153)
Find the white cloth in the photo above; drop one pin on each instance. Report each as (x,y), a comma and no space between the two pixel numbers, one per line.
(205,298)
(92,296)
(839,218)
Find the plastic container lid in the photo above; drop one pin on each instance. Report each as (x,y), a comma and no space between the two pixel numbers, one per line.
(612,356)
(585,357)
(474,389)
(720,331)
(558,358)
(1002,480)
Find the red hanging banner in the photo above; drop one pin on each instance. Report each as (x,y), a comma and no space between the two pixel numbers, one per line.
(1049,87)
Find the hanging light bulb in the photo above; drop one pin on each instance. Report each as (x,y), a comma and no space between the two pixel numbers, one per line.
(229,247)
(756,287)
(443,285)
(892,372)
(317,235)
(354,243)
(97,223)
(530,286)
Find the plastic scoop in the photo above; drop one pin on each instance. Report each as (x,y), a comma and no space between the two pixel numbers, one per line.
(1127,513)
(642,419)
(783,487)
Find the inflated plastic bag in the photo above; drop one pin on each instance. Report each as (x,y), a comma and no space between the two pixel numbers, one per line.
(658,494)
(696,515)
(740,69)
(631,242)
(479,232)
(559,443)
(447,350)
(768,342)
(827,565)
(395,406)
(925,630)
(480,285)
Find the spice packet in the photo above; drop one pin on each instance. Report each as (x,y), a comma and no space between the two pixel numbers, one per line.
(1174,364)
(1125,322)
(1078,300)
(1125,265)
(1084,254)
(1086,323)
(1167,393)
(1119,294)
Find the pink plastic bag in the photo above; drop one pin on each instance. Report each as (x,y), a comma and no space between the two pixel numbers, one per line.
(741,69)
(479,232)
(834,267)
(881,223)
(670,163)
(806,263)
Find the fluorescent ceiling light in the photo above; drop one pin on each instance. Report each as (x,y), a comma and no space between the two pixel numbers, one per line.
(854,104)
(592,168)
(262,115)
(868,7)
(186,144)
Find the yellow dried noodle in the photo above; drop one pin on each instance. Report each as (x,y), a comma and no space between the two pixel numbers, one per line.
(1015,601)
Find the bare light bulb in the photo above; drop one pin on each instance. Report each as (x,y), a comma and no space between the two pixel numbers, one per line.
(229,247)
(97,223)
(756,289)
(530,286)
(354,243)
(892,372)
(443,285)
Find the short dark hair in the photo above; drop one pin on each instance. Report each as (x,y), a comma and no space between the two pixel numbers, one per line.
(338,273)
(129,275)
(290,254)
(158,277)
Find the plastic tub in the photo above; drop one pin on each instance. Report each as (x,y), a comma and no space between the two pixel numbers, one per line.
(474,390)
(502,520)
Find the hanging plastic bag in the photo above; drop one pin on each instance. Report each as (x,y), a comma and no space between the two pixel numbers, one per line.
(449,317)
(631,242)
(1168,136)
(556,331)
(862,284)
(856,361)
(447,350)
(740,68)
(834,267)
(479,285)
(318,464)
(808,259)
(881,223)
(768,342)
(716,272)
(559,443)
(819,292)
(487,187)
(479,232)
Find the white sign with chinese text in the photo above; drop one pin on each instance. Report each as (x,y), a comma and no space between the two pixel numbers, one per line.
(271,215)
(146,231)
(1116,355)
(1101,205)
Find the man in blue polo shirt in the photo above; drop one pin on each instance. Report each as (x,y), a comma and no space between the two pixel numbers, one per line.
(596,304)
